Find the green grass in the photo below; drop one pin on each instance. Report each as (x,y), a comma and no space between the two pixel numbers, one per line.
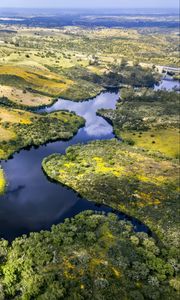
(166,141)
(147,119)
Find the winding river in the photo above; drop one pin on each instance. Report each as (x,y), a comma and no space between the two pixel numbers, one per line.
(34,203)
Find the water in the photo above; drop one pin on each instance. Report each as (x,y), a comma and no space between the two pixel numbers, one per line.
(168,84)
(95,127)
(32,202)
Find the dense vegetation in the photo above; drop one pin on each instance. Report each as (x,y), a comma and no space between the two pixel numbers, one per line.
(129,179)
(129,75)
(91,256)
(19,129)
(147,119)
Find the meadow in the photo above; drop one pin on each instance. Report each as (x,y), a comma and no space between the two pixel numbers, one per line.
(147,119)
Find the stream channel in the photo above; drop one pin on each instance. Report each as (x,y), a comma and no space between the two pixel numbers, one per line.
(34,203)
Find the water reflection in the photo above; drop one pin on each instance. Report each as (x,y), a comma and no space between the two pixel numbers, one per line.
(32,202)
(168,85)
(96,127)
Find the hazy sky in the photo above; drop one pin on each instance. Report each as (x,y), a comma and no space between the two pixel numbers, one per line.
(90,3)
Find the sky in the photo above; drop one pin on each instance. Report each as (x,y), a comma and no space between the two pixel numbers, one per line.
(91,3)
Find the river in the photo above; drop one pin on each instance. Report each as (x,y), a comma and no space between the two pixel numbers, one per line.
(32,202)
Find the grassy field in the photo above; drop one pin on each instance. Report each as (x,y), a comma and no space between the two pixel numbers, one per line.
(166,141)
(147,119)
(23,97)
(38,81)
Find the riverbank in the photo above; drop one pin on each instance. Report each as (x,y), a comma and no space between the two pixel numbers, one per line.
(2,182)
(19,129)
(30,187)
(123,177)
